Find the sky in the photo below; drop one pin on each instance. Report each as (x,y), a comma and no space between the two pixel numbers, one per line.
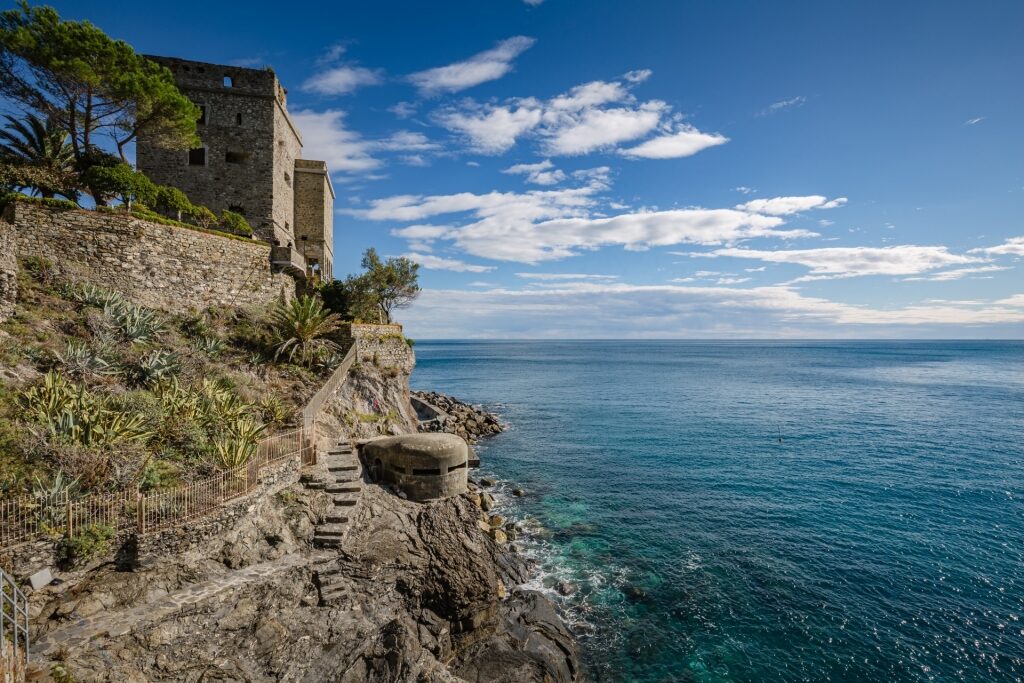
(659,169)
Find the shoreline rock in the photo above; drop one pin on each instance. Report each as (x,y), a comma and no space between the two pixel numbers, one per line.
(456,417)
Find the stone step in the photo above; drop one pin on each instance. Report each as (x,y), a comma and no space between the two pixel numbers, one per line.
(340,451)
(327,597)
(341,501)
(343,467)
(316,484)
(327,541)
(328,581)
(341,486)
(336,529)
(336,517)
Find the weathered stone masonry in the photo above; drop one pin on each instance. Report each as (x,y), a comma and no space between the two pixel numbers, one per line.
(160,266)
(8,273)
(381,345)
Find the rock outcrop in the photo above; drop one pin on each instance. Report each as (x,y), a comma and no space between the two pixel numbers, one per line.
(453,416)
(415,593)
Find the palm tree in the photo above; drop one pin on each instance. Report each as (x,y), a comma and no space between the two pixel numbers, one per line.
(302,326)
(42,149)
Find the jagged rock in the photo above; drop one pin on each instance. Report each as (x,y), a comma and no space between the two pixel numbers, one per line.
(487,482)
(518,493)
(486,502)
(565,587)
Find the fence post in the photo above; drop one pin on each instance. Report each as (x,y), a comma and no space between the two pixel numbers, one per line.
(140,511)
(70,512)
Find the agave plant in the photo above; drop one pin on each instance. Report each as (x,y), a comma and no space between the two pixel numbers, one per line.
(134,323)
(156,367)
(237,443)
(302,326)
(91,295)
(60,486)
(82,361)
(273,409)
(179,402)
(71,413)
(210,345)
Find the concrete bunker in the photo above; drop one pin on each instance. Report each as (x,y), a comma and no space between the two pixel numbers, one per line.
(423,466)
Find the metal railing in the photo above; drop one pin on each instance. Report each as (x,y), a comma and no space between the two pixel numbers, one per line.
(14,640)
(30,517)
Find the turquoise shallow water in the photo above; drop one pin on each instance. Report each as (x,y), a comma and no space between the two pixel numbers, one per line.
(881,540)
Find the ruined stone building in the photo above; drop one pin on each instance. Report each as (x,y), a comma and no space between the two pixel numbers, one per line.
(250,162)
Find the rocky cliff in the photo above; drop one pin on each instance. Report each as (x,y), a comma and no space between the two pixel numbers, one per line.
(414,593)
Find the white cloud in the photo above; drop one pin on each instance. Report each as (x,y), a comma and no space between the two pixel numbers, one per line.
(743,189)
(731,280)
(958,273)
(781,105)
(545,225)
(971,122)
(406,141)
(533,3)
(1014,246)
(638,75)
(844,262)
(609,310)
(594,116)
(1016,301)
(784,206)
(403,110)
(492,130)
(325,137)
(548,277)
(685,142)
(573,133)
(541,173)
(341,80)
(486,66)
(438,263)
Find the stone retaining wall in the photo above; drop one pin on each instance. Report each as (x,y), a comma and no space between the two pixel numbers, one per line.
(8,273)
(381,345)
(161,266)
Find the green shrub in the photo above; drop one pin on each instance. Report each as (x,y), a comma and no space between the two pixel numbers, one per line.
(202,216)
(120,182)
(171,200)
(235,223)
(39,268)
(302,327)
(87,543)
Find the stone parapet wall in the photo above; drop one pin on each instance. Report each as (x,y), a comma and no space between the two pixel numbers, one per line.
(381,345)
(8,273)
(161,266)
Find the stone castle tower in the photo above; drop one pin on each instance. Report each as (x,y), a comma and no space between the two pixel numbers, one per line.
(250,163)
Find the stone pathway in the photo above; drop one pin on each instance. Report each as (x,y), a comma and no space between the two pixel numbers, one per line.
(344,481)
(119,623)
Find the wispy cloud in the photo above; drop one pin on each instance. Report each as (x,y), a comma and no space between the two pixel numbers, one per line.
(844,262)
(784,206)
(1014,246)
(959,273)
(325,137)
(337,78)
(485,66)
(549,277)
(591,117)
(541,173)
(438,263)
(782,105)
(974,121)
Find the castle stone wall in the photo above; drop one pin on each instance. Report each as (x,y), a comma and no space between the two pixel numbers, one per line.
(161,266)
(8,273)
(314,214)
(246,120)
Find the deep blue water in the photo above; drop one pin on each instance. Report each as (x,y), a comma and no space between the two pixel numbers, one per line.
(881,540)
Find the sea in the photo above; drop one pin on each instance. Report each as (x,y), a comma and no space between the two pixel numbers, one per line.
(763,511)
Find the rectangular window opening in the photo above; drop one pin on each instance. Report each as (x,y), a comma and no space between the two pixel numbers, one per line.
(460,466)
(236,157)
(197,156)
(229,82)
(202,114)
(238,119)
(424,473)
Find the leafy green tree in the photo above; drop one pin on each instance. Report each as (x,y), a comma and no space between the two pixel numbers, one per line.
(120,182)
(350,298)
(40,148)
(302,327)
(392,283)
(235,223)
(96,88)
(172,200)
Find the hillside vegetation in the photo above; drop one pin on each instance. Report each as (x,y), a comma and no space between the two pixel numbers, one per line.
(100,394)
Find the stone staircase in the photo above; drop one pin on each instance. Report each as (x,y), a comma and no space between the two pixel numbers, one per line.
(344,482)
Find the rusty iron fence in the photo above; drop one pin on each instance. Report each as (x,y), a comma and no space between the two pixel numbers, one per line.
(31,517)
(14,641)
